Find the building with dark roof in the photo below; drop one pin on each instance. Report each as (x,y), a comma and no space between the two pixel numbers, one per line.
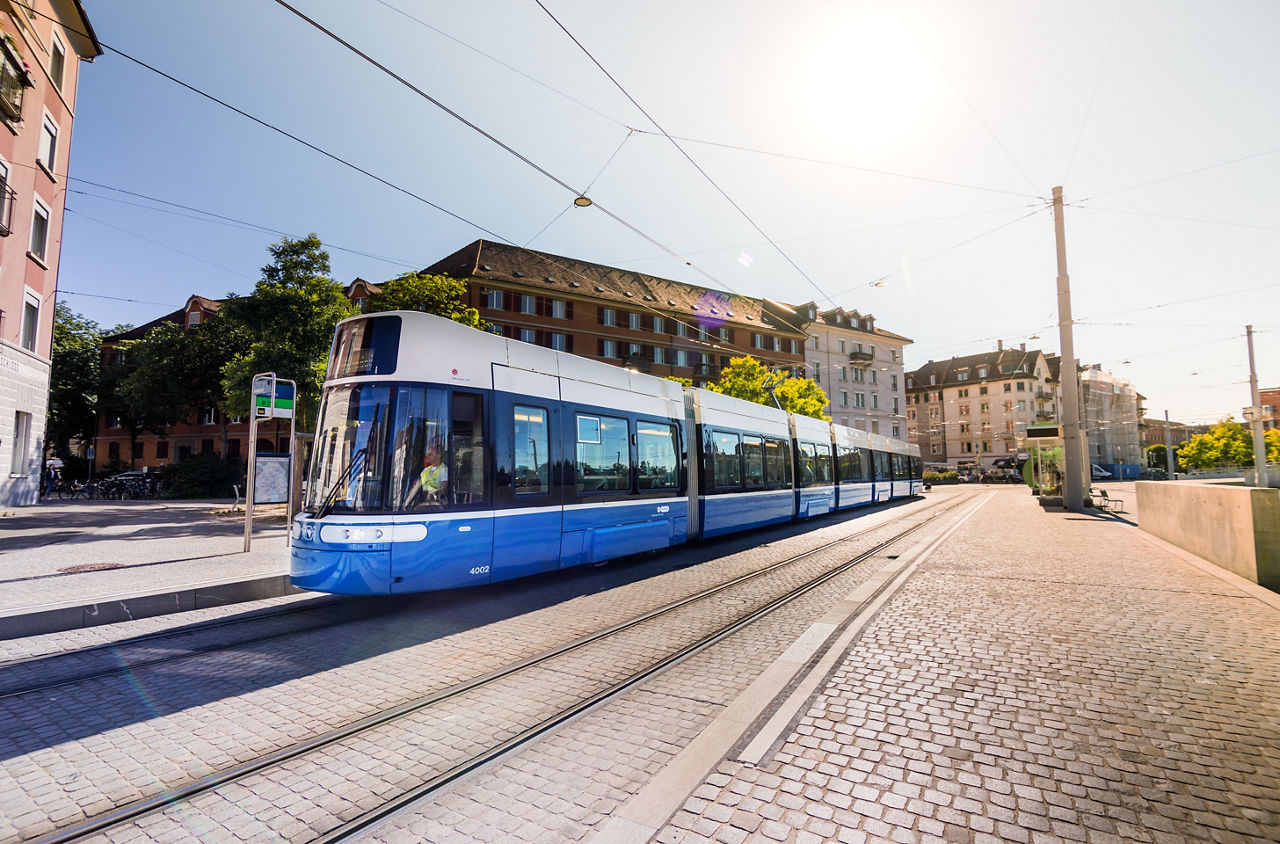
(655,325)
(972,410)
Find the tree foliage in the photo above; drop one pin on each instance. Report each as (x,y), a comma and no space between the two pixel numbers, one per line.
(289,320)
(1228,443)
(432,294)
(747,378)
(73,380)
(177,371)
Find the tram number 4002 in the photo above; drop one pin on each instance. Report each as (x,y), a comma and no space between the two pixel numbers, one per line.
(480,570)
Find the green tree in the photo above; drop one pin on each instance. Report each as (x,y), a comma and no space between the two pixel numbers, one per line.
(1156,457)
(176,372)
(73,379)
(432,294)
(747,378)
(1228,443)
(289,320)
(1272,440)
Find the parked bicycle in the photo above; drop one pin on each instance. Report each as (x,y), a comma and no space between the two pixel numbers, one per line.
(70,490)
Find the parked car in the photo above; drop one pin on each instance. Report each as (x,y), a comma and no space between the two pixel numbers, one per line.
(1098,473)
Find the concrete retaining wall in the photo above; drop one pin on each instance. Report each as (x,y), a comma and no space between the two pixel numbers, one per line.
(1235,527)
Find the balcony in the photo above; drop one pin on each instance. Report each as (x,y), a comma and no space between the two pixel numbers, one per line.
(7,199)
(862,358)
(14,80)
(1043,417)
(706,370)
(1044,395)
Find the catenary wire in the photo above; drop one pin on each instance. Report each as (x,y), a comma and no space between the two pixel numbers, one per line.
(1088,112)
(719,344)
(1184,174)
(958,91)
(157,243)
(1081,207)
(684,153)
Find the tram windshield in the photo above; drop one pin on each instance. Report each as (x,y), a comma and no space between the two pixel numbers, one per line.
(381,448)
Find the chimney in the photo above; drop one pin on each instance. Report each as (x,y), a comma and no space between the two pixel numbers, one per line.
(1022,347)
(999,345)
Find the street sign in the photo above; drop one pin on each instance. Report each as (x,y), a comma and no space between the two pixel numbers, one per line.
(267,406)
(92,450)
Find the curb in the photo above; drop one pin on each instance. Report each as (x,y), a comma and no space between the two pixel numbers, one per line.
(17,624)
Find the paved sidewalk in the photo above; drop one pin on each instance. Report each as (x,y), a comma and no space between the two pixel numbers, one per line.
(1044,676)
(84,552)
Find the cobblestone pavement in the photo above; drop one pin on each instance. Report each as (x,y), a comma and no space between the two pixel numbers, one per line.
(1061,681)
(66,756)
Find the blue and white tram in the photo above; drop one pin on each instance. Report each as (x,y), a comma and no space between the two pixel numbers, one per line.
(449,457)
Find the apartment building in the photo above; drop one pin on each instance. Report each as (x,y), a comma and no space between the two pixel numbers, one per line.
(1111,411)
(859,366)
(970,411)
(651,324)
(39,42)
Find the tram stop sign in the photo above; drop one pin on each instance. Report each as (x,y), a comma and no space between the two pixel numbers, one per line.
(268,406)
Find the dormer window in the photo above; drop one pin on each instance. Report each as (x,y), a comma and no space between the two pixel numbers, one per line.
(193,319)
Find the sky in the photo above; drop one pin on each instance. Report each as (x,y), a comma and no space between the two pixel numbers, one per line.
(891,156)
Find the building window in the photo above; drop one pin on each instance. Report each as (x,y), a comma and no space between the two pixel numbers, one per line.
(559,309)
(757,341)
(875,426)
(1008,388)
(982,391)
(162,448)
(493,300)
(39,229)
(859,375)
(875,400)
(30,321)
(964,427)
(964,410)
(933,448)
(725,335)
(21,443)
(48,143)
(1022,405)
(859,399)
(558,342)
(842,351)
(633,322)
(193,319)
(843,375)
(985,407)
(659,354)
(57,61)
(528,335)
(528,304)
(982,372)
(893,355)
(895,404)
(897,434)
(208,416)
(815,342)
(817,371)
(844,398)
(659,325)
(893,382)
(682,357)
(777,344)
(962,376)
(113,451)
(933,380)
(608,349)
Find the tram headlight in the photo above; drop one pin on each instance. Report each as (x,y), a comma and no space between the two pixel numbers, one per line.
(340,534)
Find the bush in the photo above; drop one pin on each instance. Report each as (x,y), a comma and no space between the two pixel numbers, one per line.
(204,475)
(941,477)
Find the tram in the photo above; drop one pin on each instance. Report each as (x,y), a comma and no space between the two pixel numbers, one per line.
(447,457)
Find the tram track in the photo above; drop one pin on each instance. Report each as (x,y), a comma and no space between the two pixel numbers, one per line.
(430,729)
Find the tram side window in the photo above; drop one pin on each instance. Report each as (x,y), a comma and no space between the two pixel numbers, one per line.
(726,454)
(656,449)
(881,459)
(604,454)
(864,464)
(532,469)
(899,466)
(815,464)
(777,464)
(753,457)
(467,447)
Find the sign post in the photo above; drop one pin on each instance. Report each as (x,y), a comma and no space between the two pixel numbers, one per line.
(270,398)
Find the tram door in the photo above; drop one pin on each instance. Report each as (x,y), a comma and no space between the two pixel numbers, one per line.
(527,493)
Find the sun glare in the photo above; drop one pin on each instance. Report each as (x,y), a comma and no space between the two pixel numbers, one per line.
(868,80)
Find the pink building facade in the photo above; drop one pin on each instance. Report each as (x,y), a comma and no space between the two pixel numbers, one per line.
(41,45)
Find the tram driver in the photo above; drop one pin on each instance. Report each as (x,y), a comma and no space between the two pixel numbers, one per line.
(432,484)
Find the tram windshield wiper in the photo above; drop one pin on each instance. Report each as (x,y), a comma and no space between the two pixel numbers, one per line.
(346,476)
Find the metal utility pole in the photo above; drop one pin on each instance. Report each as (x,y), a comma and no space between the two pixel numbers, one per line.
(1073,482)
(1168,448)
(1255,418)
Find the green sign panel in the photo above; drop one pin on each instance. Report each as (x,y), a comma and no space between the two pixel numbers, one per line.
(279,406)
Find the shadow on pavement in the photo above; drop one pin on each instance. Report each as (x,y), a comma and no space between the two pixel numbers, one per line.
(375,626)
